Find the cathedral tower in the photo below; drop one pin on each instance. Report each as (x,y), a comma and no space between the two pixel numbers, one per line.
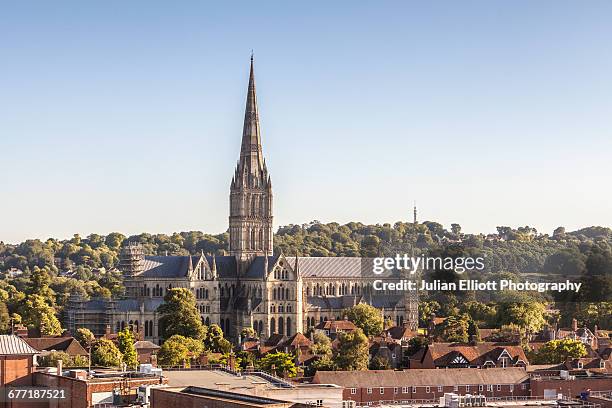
(250,219)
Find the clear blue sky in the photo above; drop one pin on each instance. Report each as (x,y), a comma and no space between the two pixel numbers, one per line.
(126,116)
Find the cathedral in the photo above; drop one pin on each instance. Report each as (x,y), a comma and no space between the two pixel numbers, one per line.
(250,287)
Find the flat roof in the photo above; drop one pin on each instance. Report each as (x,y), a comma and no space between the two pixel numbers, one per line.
(213,379)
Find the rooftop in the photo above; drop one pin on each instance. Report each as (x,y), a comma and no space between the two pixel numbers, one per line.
(13,345)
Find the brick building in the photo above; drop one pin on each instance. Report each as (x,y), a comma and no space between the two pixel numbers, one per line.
(192,397)
(86,392)
(388,386)
(16,361)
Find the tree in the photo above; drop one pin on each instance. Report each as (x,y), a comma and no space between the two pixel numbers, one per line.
(527,315)
(84,336)
(248,333)
(557,351)
(106,354)
(367,318)
(51,359)
(215,341)
(171,354)
(179,315)
(454,329)
(456,229)
(415,344)
(38,314)
(179,350)
(5,320)
(324,363)
(353,351)
(125,344)
(321,346)
(379,363)
(278,363)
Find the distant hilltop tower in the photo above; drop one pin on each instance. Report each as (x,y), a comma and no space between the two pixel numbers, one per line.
(250,219)
(131,263)
(414,210)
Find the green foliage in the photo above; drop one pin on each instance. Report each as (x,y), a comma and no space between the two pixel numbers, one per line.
(51,359)
(179,315)
(179,350)
(454,329)
(5,320)
(322,345)
(557,351)
(379,363)
(527,315)
(278,363)
(85,337)
(248,333)
(214,340)
(353,351)
(125,344)
(415,344)
(367,318)
(104,353)
(37,313)
(483,314)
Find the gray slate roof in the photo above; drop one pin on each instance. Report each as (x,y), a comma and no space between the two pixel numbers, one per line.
(256,270)
(338,267)
(13,345)
(166,266)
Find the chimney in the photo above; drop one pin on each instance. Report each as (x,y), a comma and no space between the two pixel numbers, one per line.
(59,366)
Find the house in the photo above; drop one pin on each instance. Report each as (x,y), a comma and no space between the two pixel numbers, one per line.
(331,328)
(147,352)
(388,349)
(400,333)
(17,361)
(68,345)
(458,355)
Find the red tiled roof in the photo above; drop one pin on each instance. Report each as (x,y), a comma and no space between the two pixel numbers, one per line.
(66,344)
(444,353)
(335,325)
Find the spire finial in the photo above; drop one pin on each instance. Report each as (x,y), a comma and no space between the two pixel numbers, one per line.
(252,54)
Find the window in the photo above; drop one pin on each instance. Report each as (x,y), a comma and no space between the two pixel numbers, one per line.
(428,389)
(480,387)
(523,386)
(467,388)
(511,387)
(489,387)
(369,390)
(404,390)
(602,364)
(395,390)
(456,388)
(413,390)
(439,388)
(353,391)
(319,403)
(580,365)
(370,403)
(382,390)
(498,387)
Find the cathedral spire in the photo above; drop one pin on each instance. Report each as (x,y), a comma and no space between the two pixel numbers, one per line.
(251,158)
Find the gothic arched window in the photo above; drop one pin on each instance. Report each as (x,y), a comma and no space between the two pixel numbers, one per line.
(288,326)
